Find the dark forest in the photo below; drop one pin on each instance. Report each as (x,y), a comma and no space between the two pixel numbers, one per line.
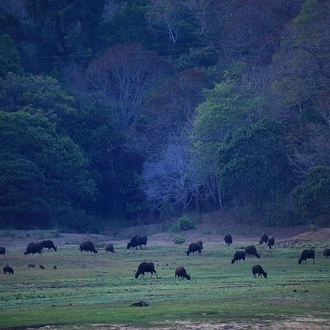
(116,113)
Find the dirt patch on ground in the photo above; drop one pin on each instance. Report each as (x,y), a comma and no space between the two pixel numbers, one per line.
(303,323)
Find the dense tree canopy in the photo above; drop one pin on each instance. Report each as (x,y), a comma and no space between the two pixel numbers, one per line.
(115,111)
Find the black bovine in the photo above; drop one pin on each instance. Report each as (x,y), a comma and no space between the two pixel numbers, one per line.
(145,267)
(2,250)
(239,255)
(258,270)
(228,239)
(49,245)
(8,270)
(181,273)
(109,248)
(138,240)
(326,253)
(307,254)
(271,242)
(33,248)
(264,238)
(87,246)
(252,251)
(194,247)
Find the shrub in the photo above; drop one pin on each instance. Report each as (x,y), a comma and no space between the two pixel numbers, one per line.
(179,239)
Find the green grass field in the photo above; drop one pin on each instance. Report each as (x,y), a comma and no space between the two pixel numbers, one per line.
(99,288)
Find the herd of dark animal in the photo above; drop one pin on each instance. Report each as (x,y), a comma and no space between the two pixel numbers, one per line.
(180,272)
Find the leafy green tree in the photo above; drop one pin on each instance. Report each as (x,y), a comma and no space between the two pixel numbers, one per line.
(311,198)
(127,24)
(23,195)
(37,95)
(253,163)
(60,31)
(9,58)
(58,168)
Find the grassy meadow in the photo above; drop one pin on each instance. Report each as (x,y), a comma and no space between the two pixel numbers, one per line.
(88,288)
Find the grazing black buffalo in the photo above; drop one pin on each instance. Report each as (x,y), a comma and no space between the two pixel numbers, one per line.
(2,250)
(199,241)
(252,251)
(33,248)
(8,270)
(228,239)
(109,248)
(239,255)
(257,269)
(87,246)
(307,254)
(42,267)
(49,245)
(193,247)
(271,241)
(326,253)
(32,266)
(138,240)
(181,273)
(264,238)
(145,267)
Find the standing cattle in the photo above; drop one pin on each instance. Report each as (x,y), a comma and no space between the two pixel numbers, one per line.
(87,246)
(145,267)
(138,240)
(257,269)
(326,253)
(109,248)
(239,255)
(8,270)
(264,238)
(49,245)
(2,250)
(33,248)
(271,241)
(193,247)
(307,254)
(181,273)
(252,251)
(228,239)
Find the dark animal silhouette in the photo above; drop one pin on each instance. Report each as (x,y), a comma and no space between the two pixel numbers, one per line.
(326,253)
(87,246)
(140,303)
(8,270)
(2,250)
(257,269)
(49,245)
(264,238)
(145,267)
(181,273)
(271,241)
(138,240)
(252,251)
(109,248)
(194,247)
(239,255)
(307,254)
(32,266)
(42,267)
(54,267)
(199,241)
(33,248)
(228,239)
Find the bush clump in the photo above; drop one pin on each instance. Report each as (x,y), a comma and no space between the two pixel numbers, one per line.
(183,224)
(179,239)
